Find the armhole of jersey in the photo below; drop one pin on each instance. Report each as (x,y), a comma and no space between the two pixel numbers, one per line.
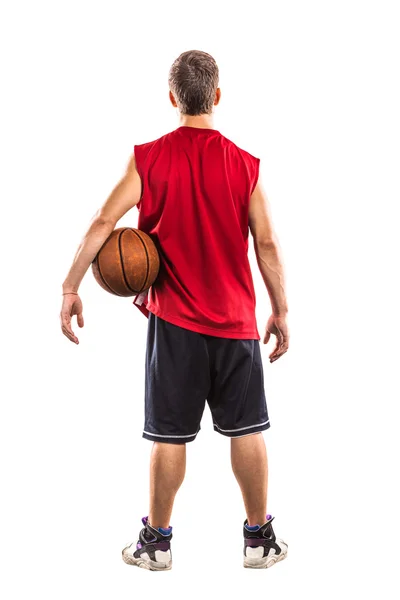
(256,174)
(137,154)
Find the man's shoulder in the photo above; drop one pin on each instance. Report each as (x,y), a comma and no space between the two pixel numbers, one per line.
(145,150)
(239,150)
(155,142)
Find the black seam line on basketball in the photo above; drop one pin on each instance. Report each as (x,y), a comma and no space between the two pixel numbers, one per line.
(122,263)
(148,262)
(102,278)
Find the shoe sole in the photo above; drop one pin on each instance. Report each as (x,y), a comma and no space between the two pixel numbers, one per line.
(150,565)
(265,563)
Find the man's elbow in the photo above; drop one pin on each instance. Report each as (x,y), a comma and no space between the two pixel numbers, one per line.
(266,245)
(101,220)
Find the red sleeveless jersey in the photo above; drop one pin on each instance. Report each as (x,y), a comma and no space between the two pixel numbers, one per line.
(196,188)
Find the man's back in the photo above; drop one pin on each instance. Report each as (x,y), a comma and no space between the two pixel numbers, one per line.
(196,188)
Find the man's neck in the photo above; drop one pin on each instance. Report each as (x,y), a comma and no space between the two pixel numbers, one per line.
(200,121)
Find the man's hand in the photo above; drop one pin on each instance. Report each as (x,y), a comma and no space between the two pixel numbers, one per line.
(72,305)
(278,327)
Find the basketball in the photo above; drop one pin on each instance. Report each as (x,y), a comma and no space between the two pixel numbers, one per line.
(127,263)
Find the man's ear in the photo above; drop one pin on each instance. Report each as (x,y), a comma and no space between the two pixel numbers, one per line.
(173,101)
(217,96)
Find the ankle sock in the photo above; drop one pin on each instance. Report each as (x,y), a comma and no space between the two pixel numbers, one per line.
(252,527)
(257,527)
(164,531)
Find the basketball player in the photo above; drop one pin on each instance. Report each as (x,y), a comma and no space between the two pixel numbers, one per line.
(198,195)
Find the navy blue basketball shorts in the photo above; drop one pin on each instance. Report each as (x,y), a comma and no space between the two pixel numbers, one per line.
(185,369)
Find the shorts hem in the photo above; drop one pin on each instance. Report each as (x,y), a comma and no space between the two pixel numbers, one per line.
(244,431)
(169,439)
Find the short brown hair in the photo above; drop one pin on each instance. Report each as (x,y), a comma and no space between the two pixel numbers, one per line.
(193,80)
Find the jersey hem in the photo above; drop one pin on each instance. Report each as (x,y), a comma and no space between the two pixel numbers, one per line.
(198,328)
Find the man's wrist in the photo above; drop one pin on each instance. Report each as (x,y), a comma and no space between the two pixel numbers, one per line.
(280,314)
(67,288)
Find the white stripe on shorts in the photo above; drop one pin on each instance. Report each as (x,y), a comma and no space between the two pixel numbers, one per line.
(240,428)
(170,436)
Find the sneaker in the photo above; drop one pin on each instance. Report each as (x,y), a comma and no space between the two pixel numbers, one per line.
(261,547)
(153,549)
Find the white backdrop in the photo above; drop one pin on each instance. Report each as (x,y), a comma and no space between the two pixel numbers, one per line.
(312,89)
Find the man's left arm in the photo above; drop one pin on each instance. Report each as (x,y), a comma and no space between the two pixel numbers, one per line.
(124,196)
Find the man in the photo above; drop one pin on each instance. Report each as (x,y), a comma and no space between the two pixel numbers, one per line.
(198,195)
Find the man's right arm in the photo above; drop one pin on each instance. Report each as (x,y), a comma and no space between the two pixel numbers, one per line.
(269,261)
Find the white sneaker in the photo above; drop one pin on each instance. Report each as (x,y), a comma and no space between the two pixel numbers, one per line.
(261,547)
(153,549)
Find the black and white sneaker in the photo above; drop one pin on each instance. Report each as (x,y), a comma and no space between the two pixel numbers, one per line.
(153,549)
(261,547)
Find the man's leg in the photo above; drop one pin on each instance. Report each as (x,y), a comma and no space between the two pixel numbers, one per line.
(250,467)
(167,472)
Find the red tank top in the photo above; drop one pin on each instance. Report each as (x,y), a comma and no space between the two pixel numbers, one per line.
(196,188)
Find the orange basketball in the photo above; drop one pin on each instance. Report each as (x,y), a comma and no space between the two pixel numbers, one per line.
(127,263)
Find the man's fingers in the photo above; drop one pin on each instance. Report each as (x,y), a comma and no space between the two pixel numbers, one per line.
(279,351)
(70,335)
(80,320)
(266,337)
(66,322)
(275,350)
(282,344)
(66,328)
